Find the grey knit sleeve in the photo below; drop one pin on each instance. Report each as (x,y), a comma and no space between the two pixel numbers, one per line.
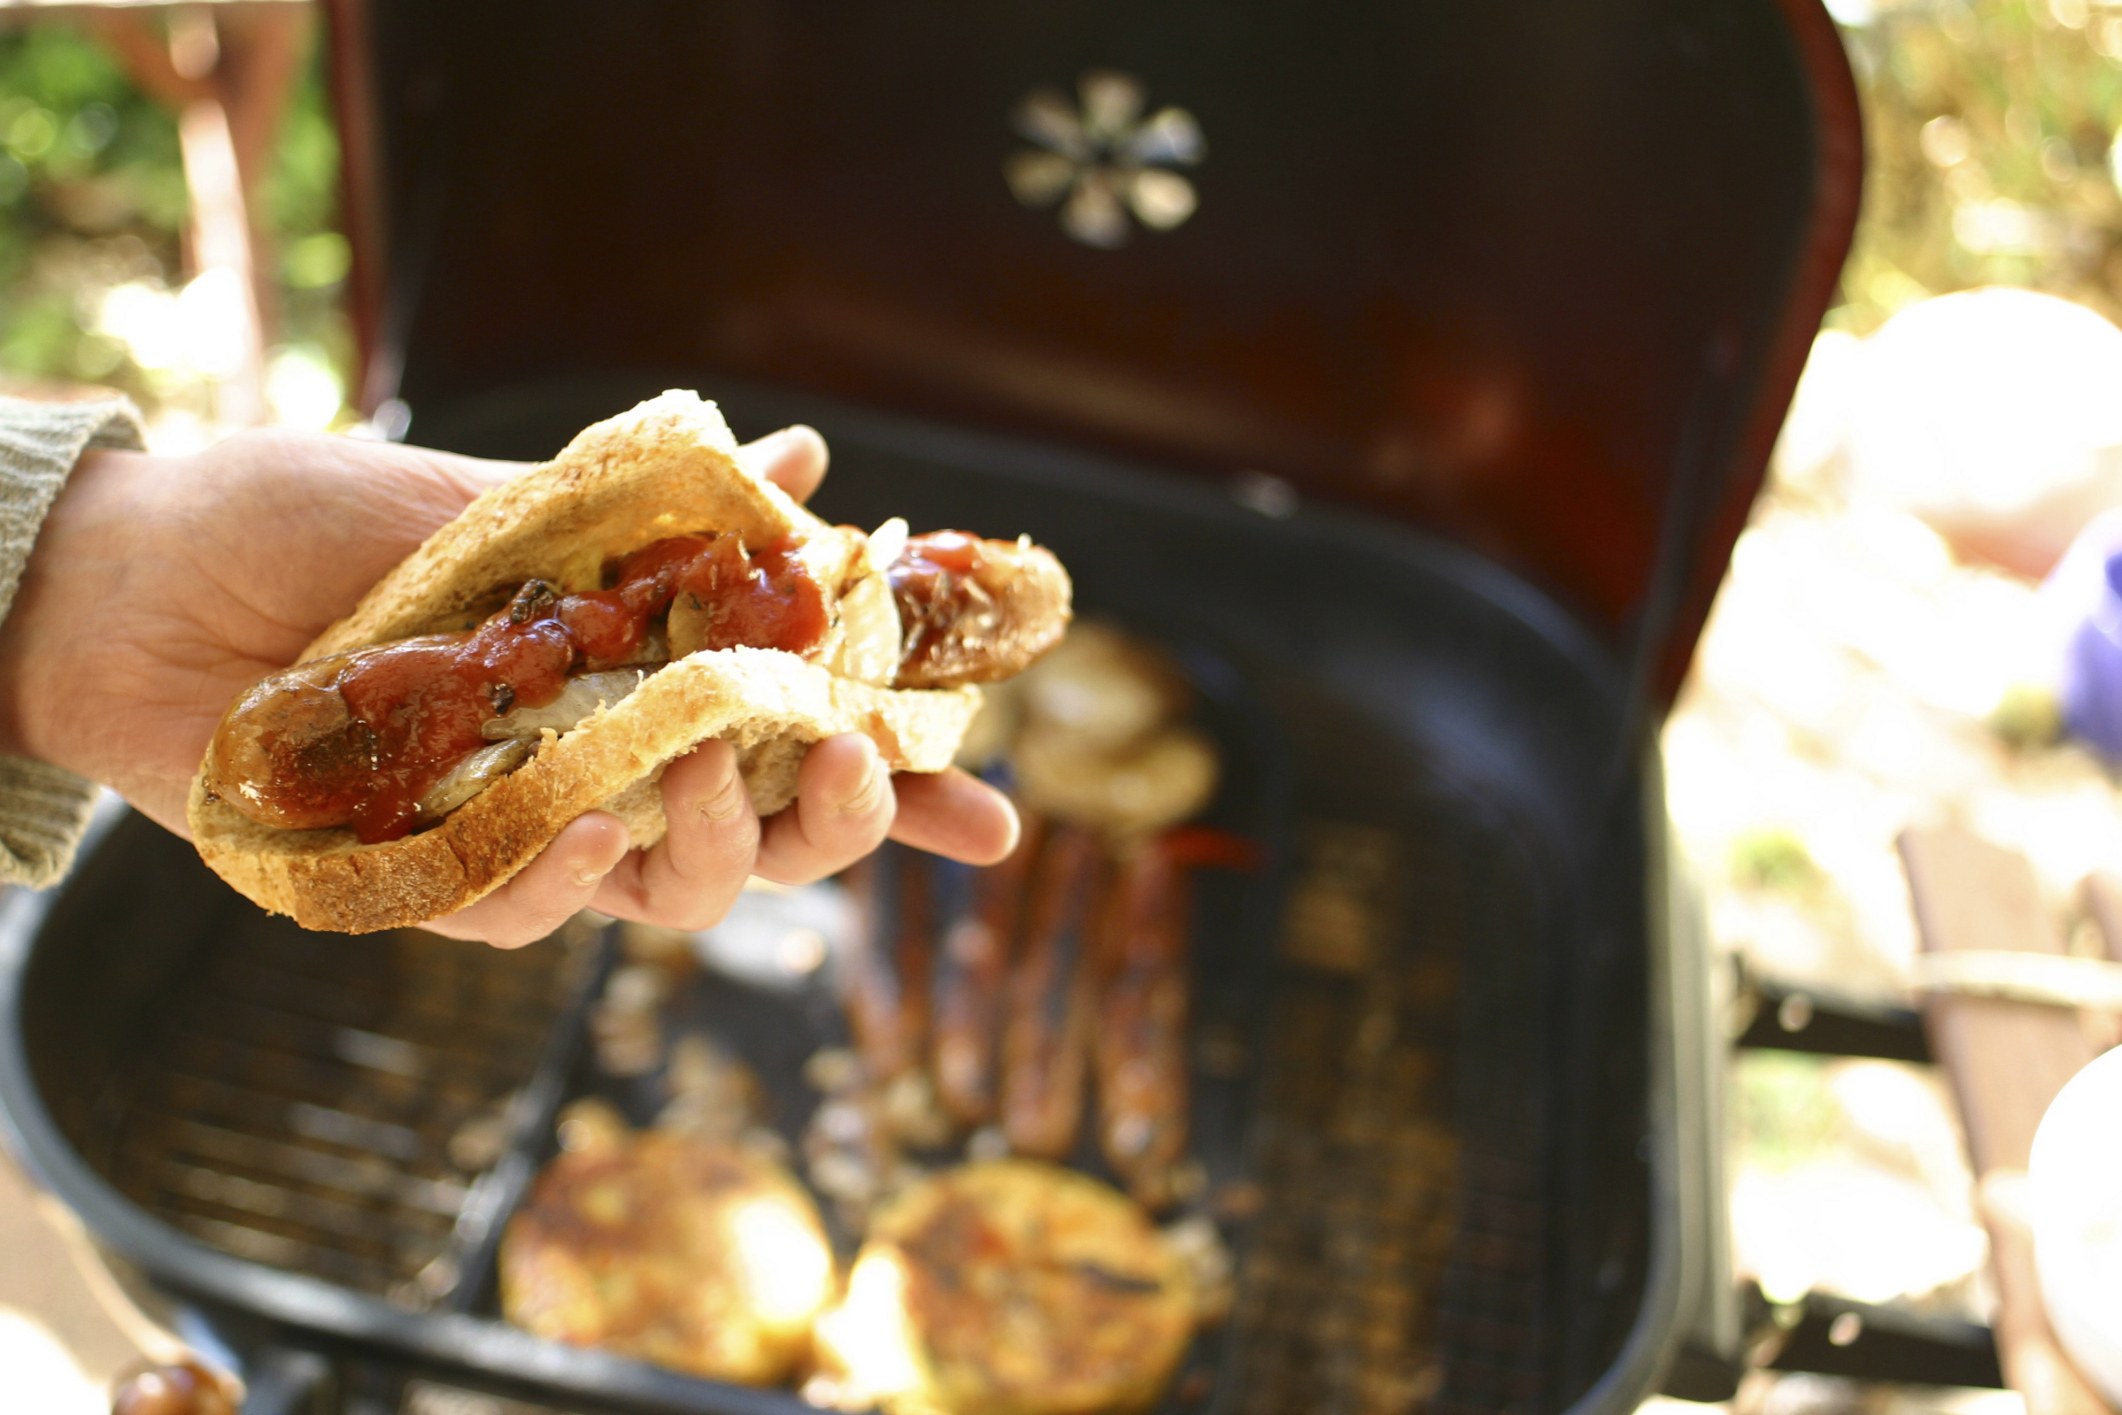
(43,810)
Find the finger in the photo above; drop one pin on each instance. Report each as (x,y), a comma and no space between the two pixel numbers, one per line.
(793,459)
(952,813)
(546,892)
(843,807)
(692,876)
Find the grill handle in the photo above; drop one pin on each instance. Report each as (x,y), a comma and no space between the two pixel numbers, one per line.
(1825,1335)
(1777,1015)
(1833,1336)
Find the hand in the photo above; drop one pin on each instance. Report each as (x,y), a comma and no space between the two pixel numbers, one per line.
(161,587)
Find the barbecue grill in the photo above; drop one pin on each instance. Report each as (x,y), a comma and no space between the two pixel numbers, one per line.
(1406,370)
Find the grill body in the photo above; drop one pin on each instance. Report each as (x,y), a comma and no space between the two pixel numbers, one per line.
(1488,316)
(1463,1060)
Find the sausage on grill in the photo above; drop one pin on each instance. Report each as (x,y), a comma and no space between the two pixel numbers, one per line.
(1140,1050)
(972,981)
(1046,1040)
(884,978)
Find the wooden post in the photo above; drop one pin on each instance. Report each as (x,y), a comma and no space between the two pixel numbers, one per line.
(225,70)
(2006,1061)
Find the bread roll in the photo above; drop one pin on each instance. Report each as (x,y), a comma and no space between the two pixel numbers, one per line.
(666,468)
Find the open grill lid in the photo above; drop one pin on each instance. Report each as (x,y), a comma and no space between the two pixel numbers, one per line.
(1540,276)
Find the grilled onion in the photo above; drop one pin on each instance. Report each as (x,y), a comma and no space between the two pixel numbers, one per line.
(581,697)
(869,623)
(471,776)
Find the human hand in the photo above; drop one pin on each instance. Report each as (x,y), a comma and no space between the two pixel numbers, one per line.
(161,587)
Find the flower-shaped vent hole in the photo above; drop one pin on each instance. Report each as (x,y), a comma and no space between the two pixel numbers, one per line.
(1101,159)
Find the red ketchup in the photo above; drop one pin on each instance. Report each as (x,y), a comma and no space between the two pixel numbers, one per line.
(418,707)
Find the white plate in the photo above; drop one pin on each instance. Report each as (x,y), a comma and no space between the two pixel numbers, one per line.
(2077,1220)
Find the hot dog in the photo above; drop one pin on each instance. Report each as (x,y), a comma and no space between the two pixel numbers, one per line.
(382,739)
(574,629)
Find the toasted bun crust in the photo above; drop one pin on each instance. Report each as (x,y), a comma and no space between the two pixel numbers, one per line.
(665,468)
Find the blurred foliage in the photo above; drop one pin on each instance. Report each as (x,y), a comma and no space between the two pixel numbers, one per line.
(2028,717)
(1989,132)
(92,197)
(1782,1109)
(1990,128)
(1774,860)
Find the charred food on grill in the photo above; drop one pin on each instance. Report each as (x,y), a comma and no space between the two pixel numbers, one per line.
(1011,1288)
(1058,980)
(695,1255)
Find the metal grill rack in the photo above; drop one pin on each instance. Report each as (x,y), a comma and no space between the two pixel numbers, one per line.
(1492,1339)
(329,1104)
(1394,1266)
(1376,1111)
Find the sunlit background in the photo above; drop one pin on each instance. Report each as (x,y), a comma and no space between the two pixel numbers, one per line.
(109,268)
(1882,654)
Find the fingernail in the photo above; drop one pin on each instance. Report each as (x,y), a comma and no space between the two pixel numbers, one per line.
(863,799)
(728,800)
(588,873)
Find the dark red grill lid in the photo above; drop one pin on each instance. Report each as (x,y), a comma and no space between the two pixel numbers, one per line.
(1538,275)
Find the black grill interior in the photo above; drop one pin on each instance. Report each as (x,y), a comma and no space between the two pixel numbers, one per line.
(1421,1035)
(332,1105)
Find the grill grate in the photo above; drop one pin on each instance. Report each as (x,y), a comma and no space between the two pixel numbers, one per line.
(1394,1263)
(306,1099)
(303,1100)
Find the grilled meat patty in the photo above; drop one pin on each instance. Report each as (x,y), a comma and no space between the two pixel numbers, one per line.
(688,1253)
(1012,1288)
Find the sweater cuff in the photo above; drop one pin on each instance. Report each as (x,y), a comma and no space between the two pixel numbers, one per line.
(44,809)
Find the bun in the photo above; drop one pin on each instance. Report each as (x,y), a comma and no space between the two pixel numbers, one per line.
(666,468)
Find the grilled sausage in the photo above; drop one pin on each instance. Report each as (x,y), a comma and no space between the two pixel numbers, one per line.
(884,977)
(372,738)
(703,1257)
(1045,1042)
(971,981)
(1012,1288)
(974,611)
(1140,1050)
